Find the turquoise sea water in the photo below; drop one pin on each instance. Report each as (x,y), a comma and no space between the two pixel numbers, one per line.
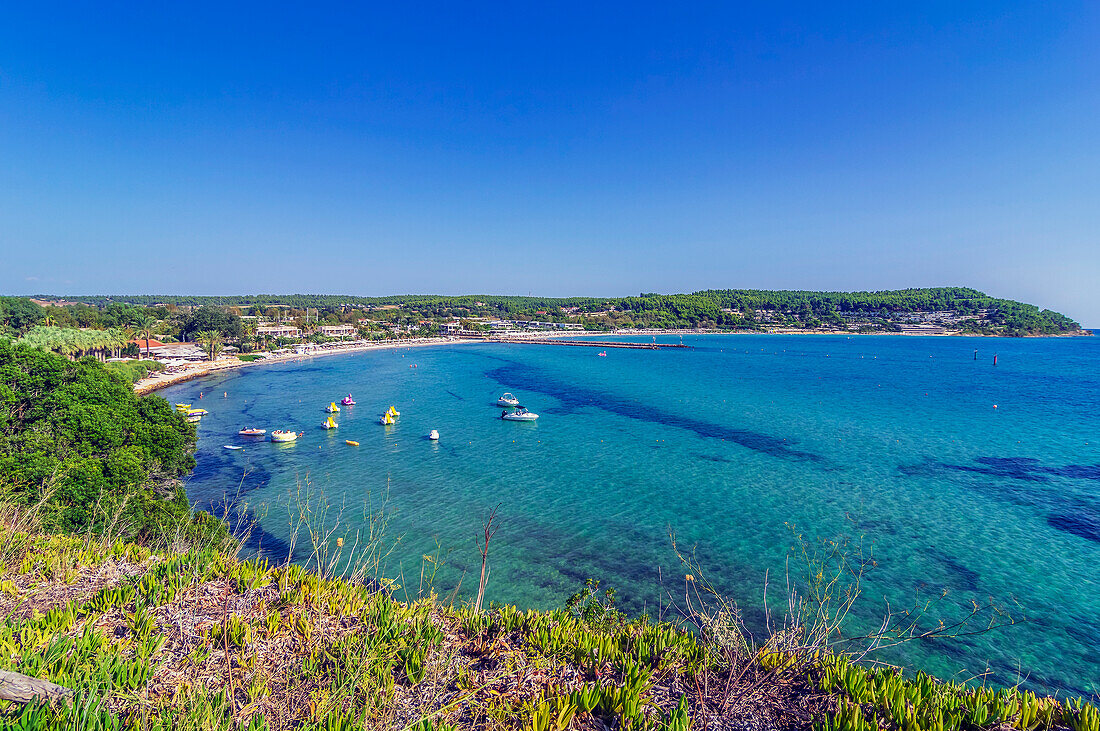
(892,438)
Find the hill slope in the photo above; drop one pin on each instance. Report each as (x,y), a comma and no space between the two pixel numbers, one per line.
(200,640)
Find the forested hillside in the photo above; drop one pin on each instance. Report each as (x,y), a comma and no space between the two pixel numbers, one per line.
(733,309)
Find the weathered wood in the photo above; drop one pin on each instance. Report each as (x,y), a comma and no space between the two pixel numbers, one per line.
(23,689)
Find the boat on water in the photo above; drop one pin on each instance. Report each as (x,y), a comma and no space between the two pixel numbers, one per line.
(602,353)
(393,412)
(284,436)
(197,412)
(433,435)
(386,419)
(519,414)
(347,401)
(252,432)
(329,424)
(348,441)
(333,408)
(231,446)
(183,407)
(193,419)
(508,400)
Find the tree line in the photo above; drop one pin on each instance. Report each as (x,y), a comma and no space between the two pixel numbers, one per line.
(723,309)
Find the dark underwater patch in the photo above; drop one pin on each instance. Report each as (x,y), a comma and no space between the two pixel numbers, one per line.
(1078,471)
(1025,469)
(244,481)
(956,575)
(1079,524)
(262,543)
(521,377)
(1020,468)
(1085,630)
(1026,481)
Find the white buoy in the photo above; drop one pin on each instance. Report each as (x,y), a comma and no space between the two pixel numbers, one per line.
(433,435)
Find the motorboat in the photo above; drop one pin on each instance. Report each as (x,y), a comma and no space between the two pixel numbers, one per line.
(329,424)
(284,436)
(347,401)
(183,407)
(433,435)
(348,441)
(386,419)
(520,414)
(393,412)
(602,354)
(193,419)
(231,446)
(508,400)
(197,412)
(252,432)
(333,408)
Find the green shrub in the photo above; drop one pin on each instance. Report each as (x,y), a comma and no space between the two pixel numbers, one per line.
(76,440)
(133,371)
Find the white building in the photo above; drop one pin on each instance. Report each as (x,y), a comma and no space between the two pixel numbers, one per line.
(337,331)
(278,331)
(539,325)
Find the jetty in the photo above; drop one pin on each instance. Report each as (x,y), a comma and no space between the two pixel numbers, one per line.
(592,343)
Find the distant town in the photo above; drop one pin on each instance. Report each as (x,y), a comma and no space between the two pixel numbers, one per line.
(166,331)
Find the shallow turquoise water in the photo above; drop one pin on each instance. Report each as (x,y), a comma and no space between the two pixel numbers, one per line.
(892,438)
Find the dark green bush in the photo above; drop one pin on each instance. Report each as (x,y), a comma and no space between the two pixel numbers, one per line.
(75,437)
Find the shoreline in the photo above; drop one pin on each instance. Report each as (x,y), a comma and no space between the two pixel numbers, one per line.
(1083,333)
(190,372)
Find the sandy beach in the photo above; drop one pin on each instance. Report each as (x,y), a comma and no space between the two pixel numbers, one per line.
(190,371)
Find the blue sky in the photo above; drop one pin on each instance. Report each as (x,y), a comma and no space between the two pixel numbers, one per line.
(557,149)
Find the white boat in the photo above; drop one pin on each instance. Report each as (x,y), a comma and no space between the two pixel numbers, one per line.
(329,424)
(508,400)
(333,408)
(518,415)
(252,432)
(284,436)
(230,446)
(433,435)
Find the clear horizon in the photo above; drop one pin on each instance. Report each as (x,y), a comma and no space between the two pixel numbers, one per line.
(566,151)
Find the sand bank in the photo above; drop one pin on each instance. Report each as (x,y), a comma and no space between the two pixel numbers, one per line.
(190,371)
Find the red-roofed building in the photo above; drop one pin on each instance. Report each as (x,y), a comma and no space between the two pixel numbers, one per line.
(146,344)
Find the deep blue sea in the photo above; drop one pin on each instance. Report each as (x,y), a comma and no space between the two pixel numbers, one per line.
(979,479)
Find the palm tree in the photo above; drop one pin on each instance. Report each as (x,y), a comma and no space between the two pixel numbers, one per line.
(145,327)
(212,341)
(216,345)
(202,337)
(66,343)
(117,338)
